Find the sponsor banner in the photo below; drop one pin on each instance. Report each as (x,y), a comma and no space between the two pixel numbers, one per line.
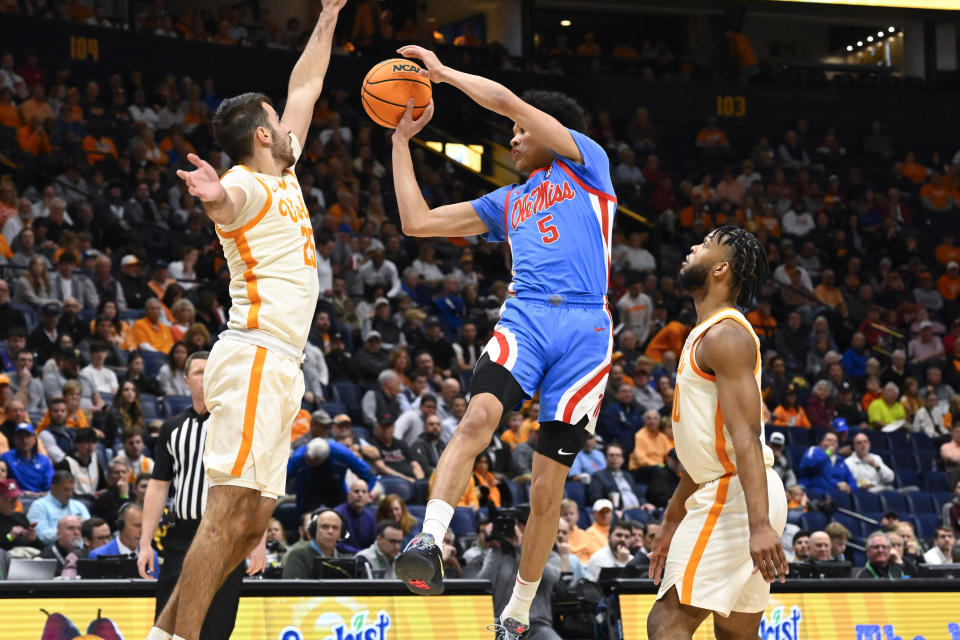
(273,618)
(829,616)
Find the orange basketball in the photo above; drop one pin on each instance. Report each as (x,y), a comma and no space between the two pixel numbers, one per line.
(387,88)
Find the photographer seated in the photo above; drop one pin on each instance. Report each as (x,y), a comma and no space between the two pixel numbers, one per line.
(616,553)
(500,563)
(324,529)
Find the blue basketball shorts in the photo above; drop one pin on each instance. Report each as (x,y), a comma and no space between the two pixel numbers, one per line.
(562,346)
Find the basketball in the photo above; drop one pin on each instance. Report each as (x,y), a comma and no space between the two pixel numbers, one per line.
(389,85)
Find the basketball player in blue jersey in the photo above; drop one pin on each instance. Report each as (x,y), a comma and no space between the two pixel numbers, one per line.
(554,333)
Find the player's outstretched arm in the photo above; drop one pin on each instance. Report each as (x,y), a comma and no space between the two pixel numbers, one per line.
(497,98)
(306,79)
(722,350)
(416,218)
(222,205)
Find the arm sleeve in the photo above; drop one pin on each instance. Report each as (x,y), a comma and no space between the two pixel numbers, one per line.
(492,209)
(46,528)
(163,462)
(595,170)
(812,461)
(297,459)
(395,286)
(848,477)
(50,444)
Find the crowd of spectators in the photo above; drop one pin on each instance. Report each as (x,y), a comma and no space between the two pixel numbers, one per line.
(112,276)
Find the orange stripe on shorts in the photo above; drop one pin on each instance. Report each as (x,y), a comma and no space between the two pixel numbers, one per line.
(702,539)
(250,412)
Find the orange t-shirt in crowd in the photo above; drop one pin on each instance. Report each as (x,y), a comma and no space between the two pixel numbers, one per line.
(763,327)
(687,216)
(512,438)
(157,336)
(948,287)
(76,421)
(99,149)
(670,338)
(582,544)
(712,138)
(9,116)
(301,424)
(869,397)
(5,249)
(792,417)
(936,193)
(917,173)
(37,144)
(946,254)
(649,449)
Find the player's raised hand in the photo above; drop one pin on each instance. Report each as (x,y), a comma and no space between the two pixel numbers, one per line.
(333,5)
(203,181)
(661,547)
(435,68)
(408,127)
(767,553)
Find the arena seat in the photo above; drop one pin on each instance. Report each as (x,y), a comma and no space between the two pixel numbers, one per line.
(926,461)
(347,394)
(576,491)
(864,501)
(148,402)
(897,440)
(907,478)
(855,525)
(920,441)
(813,521)
(840,498)
(333,409)
(399,486)
(286,513)
(893,501)
(934,481)
(926,524)
(152,361)
(421,491)
(464,521)
(172,405)
(640,515)
(903,459)
(417,511)
(922,502)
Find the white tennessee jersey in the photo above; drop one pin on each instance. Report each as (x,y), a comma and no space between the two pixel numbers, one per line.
(271,254)
(701,437)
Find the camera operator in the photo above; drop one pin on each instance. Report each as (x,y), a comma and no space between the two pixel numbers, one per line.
(500,562)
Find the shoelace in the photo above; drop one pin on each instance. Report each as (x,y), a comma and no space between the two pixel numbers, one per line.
(497,628)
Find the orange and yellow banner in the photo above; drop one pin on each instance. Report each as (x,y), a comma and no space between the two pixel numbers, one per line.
(273,618)
(831,616)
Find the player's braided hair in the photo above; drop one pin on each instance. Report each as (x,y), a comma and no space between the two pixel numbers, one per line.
(562,107)
(749,266)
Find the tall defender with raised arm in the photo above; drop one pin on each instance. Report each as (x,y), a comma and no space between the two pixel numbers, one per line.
(253,383)
(555,328)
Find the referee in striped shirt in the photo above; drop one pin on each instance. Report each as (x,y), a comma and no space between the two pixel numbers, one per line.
(179,458)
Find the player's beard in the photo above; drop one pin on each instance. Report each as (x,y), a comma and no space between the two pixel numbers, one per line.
(694,277)
(282,149)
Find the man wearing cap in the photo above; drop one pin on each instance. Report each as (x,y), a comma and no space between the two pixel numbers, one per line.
(595,536)
(370,359)
(15,528)
(949,283)
(58,503)
(396,458)
(390,334)
(822,469)
(149,333)
(781,463)
(319,428)
(887,408)
(135,291)
(67,282)
(868,468)
(32,470)
(43,340)
(70,322)
(926,348)
(848,407)
(339,360)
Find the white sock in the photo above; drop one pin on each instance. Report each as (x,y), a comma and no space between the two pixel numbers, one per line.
(156,633)
(178,638)
(436,519)
(519,606)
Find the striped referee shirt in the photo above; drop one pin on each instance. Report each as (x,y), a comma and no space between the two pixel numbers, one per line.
(179,458)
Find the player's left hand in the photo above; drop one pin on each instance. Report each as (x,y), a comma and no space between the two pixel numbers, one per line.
(257,560)
(767,553)
(435,68)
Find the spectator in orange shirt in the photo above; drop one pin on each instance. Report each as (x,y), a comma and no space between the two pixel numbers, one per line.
(36,106)
(695,211)
(650,446)
(704,189)
(511,436)
(790,414)
(151,334)
(764,324)
(98,147)
(589,48)
(936,196)
(711,136)
(670,338)
(223,34)
(912,169)
(33,139)
(949,283)
(364,23)
(467,39)
(561,48)
(9,116)
(946,252)
(740,49)
(625,50)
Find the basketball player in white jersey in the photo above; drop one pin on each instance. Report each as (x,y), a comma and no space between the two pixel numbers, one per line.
(719,545)
(253,384)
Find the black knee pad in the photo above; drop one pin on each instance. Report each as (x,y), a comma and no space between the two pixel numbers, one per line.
(490,377)
(562,441)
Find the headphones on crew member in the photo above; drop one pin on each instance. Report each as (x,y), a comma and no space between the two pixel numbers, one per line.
(121,520)
(315,518)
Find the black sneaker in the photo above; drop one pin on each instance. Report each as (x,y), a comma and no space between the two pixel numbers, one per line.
(420,566)
(510,629)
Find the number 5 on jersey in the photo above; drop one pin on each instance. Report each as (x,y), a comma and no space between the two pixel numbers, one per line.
(309,248)
(549,231)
